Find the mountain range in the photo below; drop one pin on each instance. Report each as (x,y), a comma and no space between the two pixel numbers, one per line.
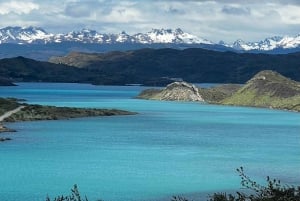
(173,38)
(37,35)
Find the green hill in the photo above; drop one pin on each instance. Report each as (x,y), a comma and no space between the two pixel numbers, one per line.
(268,89)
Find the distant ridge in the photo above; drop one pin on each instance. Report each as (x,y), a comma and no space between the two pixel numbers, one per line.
(191,65)
(151,67)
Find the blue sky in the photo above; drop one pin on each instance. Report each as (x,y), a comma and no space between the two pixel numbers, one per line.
(227,20)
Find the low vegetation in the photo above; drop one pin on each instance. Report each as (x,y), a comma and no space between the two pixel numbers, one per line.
(219,92)
(7,104)
(273,191)
(74,196)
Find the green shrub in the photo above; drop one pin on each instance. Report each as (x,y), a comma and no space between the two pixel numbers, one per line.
(273,191)
(75,196)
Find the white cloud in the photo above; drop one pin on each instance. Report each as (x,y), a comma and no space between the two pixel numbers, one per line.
(212,19)
(290,14)
(18,7)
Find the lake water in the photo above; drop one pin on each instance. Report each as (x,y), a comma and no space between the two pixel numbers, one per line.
(169,148)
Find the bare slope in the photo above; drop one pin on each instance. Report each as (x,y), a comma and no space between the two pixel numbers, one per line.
(183,91)
(176,91)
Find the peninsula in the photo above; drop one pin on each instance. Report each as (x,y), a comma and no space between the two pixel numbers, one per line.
(12,111)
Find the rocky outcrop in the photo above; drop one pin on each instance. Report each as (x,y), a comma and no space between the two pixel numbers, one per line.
(176,91)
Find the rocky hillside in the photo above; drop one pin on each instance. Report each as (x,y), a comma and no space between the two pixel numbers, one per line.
(217,93)
(183,91)
(176,91)
(268,89)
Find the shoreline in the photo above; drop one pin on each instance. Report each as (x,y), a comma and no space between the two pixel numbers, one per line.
(20,112)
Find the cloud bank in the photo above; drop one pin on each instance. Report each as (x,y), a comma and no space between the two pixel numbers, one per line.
(226,20)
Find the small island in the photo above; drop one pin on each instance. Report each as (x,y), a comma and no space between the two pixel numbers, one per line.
(11,110)
(267,89)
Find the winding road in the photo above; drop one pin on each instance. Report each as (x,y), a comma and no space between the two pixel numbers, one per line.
(9,113)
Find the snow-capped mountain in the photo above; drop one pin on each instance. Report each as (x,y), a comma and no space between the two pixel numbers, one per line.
(268,44)
(24,35)
(170,36)
(36,35)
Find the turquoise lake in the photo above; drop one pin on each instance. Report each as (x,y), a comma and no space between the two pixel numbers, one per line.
(169,148)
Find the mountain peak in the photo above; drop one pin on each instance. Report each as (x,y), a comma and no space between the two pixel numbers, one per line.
(179,31)
(176,36)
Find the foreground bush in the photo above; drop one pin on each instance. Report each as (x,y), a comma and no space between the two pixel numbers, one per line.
(75,196)
(273,191)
